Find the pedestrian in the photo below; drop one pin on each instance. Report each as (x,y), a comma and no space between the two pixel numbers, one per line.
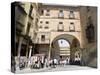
(50,62)
(42,62)
(46,62)
(67,60)
(55,62)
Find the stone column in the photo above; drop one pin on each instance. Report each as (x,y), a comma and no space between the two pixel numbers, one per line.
(49,53)
(19,50)
(82,57)
(27,48)
(29,57)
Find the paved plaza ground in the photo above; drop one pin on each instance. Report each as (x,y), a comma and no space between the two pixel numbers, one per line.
(58,68)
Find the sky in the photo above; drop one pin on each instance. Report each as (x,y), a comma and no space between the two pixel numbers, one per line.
(63,43)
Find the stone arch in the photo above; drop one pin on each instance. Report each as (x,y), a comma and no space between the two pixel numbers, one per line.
(64,36)
(68,38)
(77,35)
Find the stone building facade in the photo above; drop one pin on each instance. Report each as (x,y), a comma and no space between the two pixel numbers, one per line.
(25,18)
(89,33)
(76,24)
(39,26)
(58,22)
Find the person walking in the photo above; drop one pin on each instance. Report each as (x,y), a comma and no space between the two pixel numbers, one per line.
(42,62)
(55,62)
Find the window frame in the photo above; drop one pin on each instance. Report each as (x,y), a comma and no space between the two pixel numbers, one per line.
(46,27)
(42,37)
(70,26)
(47,12)
(71,14)
(61,14)
(47,22)
(41,22)
(60,27)
(60,22)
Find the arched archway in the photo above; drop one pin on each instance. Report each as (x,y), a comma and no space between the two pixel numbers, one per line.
(60,48)
(73,42)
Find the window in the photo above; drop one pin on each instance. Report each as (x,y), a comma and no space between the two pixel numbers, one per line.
(71,23)
(47,22)
(47,13)
(60,22)
(61,10)
(60,27)
(61,14)
(41,21)
(71,15)
(48,10)
(42,37)
(71,12)
(46,27)
(71,27)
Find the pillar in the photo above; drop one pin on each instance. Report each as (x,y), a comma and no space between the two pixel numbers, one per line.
(49,55)
(29,57)
(19,50)
(27,48)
